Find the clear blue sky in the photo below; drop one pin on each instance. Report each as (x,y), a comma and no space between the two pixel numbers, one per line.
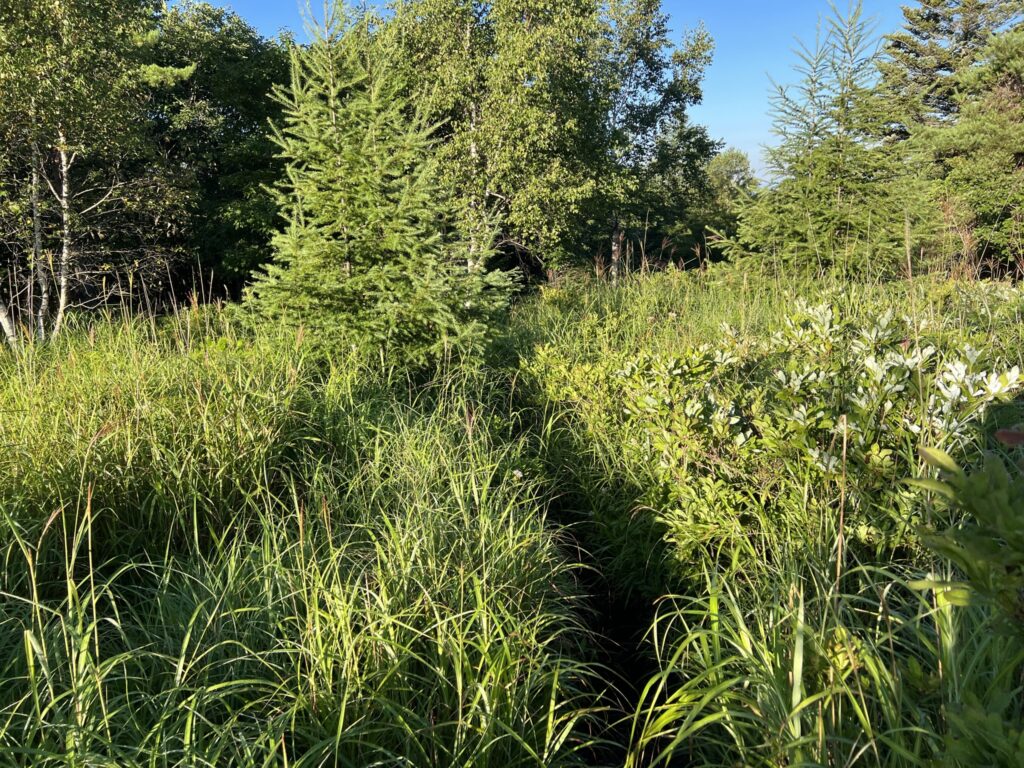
(754,39)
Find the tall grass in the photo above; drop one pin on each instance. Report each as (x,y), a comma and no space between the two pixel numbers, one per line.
(867,672)
(221,550)
(224,547)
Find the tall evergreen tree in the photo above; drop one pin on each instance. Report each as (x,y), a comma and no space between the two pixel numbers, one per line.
(369,255)
(939,39)
(928,87)
(982,157)
(836,200)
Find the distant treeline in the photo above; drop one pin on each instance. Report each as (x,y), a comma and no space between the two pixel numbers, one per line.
(155,153)
(902,155)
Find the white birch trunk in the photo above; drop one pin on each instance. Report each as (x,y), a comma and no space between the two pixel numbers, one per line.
(43,307)
(7,324)
(64,264)
(617,241)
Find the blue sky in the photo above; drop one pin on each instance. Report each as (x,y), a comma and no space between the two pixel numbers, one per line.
(754,39)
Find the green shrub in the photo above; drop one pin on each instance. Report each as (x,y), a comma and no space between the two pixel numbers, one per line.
(988,546)
(753,447)
(369,256)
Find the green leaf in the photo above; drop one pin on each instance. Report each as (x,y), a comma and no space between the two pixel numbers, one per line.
(933,485)
(950,592)
(939,459)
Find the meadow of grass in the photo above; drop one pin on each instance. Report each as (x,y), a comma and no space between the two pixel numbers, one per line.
(666,523)
(229,551)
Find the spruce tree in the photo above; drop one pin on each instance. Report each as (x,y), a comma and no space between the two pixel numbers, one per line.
(939,39)
(368,255)
(835,200)
(982,157)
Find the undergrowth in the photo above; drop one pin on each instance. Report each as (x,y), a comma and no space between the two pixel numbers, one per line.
(667,524)
(761,434)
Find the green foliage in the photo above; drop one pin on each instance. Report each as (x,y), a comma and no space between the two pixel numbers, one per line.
(315,567)
(655,182)
(742,438)
(988,547)
(732,185)
(368,256)
(983,168)
(940,39)
(331,563)
(820,672)
(558,130)
(89,207)
(770,454)
(213,125)
(278,543)
(899,160)
(836,200)
(521,122)
(107,416)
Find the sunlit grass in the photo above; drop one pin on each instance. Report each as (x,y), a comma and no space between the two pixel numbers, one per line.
(785,524)
(226,547)
(222,551)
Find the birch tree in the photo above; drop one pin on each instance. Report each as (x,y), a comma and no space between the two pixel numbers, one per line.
(87,201)
(554,112)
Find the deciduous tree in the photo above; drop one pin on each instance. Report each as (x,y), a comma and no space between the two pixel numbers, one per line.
(559,120)
(89,201)
(214,127)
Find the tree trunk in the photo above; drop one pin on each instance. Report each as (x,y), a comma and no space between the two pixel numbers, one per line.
(618,236)
(475,205)
(476,201)
(38,267)
(7,324)
(474,258)
(64,265)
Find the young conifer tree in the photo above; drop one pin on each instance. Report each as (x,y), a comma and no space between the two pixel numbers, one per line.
(828,207)
(368,255)
(840,200)
(954,107)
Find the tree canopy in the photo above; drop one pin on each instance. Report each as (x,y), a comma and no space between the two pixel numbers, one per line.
(150,152)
